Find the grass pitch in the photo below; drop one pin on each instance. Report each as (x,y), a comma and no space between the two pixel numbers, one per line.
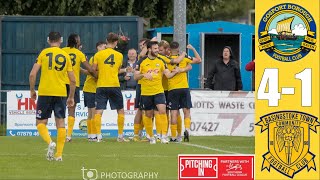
(24,157)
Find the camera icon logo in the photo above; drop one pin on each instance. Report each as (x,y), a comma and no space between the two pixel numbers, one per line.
(89,174)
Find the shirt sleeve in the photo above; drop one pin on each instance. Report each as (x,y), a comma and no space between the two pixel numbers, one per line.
(83,57)
(91,60)
(188,59)
(39,58)
(95,59)
(163,66)
(166,59)
(121,60)
(250,66)
(137,67)
(69,63)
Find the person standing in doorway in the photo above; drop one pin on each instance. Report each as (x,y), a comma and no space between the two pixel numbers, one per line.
(225,74)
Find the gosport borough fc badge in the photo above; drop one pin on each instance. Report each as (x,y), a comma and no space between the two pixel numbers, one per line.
(288,141)
(287,32)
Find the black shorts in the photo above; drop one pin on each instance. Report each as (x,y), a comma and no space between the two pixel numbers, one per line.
(76,94)
(47,104)
(89,99)
(179,98)
(112,94)
(138,96)
(166,95)
(151,102)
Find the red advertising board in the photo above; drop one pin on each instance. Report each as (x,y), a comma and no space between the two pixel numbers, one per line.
(221,167)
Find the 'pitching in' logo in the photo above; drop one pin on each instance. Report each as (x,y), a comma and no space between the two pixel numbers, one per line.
(287,32)
(288,141)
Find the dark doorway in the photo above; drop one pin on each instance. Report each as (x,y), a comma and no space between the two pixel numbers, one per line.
(213,46)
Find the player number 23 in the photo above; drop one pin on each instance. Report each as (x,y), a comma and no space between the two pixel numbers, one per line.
(271,78)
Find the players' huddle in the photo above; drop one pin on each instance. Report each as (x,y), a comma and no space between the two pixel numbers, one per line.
(162,90)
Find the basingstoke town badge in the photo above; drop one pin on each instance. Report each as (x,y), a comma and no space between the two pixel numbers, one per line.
(287,32)
(288,141)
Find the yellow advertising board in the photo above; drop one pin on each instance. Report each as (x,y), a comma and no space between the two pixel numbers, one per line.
(287,89)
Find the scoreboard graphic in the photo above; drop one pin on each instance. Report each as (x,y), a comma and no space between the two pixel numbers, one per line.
(287,90)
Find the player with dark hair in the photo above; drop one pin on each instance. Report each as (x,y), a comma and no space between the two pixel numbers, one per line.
(89,92)
(109,62)
(142,43)
(54,64)
(179,94)
(151,70)
(164,53)
(138,123)
(77,58)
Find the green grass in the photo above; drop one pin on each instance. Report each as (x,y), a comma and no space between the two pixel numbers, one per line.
(24,157)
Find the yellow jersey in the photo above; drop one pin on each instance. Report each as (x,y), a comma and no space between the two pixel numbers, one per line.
(180,80)
(164,78)
(137,68)
(55,63)
(77,57)
(140,58)
(109,61)
(156,67)
(90,85)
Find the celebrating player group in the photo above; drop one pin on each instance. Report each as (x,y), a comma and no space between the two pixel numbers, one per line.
(162,90)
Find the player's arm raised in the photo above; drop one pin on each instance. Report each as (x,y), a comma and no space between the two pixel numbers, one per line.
(32,80)
(143,52)
(197,58)
(179,58)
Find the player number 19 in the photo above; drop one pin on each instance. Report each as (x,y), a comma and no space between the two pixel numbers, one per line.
(271,78)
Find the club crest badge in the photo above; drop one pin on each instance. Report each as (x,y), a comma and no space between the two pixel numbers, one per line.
(287,32)
(288,141)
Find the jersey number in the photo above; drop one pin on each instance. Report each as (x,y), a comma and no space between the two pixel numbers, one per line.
(73,58)
(110,60)
(59,59)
